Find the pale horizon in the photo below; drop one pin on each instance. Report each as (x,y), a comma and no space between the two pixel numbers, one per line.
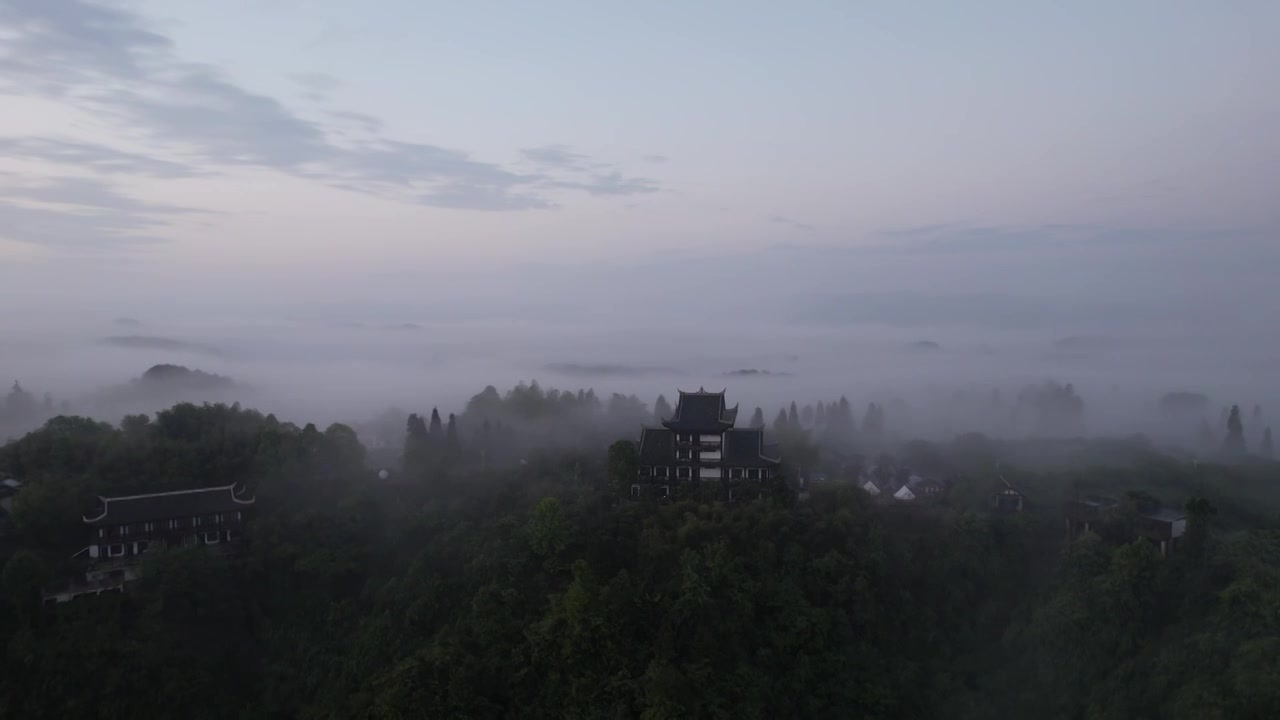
(654,184)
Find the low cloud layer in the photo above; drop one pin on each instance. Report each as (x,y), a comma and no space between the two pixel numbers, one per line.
(107,60)
(79,213)
(97,158)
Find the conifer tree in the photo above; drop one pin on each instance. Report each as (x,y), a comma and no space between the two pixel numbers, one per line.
(793,417)
(757,418)
(780,424)
(451,435)
(1234,442)
(661,409)
(806,415)
(19,404)
(873,420)
(844,414)
(436,426)
(1268,451)
(415,446)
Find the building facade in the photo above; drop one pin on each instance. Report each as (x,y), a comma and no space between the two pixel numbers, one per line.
(127,527)
(124,529)
(1007,498)
(699,446)
(1161,525)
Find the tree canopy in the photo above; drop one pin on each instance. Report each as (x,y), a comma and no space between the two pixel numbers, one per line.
(528,585)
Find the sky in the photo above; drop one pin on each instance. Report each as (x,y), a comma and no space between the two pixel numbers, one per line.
(950,169)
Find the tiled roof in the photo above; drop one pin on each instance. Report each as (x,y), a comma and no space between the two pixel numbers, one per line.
(1165,514)
(744,447)
(161,506)
(657,446)
(702,411)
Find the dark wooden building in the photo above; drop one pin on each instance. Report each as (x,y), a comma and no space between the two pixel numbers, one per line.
(1083,514)
(699,445)
(124,529)
(127,527)
(1161,525)
(9,488)
(1007,498)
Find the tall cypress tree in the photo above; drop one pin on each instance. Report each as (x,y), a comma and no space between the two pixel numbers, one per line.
(661,409)
(820,414)
(873,421)
(806,415)
(1234,442)
(793,417)
(436,426)
(780,423)
(451,433)
(757,419)
(1268,451)
(416,450)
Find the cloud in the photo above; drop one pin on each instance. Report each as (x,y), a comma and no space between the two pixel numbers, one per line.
(60,44)
(655,158)
(79,213)
(89,193)
(555,156)
(97,158)
(955,238)
(610,184)
(317,86)
(368,123)
(318,82)
(793,224)
(105,59)
(590,176)
(464,197)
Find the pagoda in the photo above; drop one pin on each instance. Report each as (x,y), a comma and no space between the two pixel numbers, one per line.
(699,445)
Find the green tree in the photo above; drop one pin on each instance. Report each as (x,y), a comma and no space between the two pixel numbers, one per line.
(1234,444)
(417,447)
(343,451)
(20,404)
(661,409)
(452,447)
(548,529)
(624,466)
(1199,513)
(21,579)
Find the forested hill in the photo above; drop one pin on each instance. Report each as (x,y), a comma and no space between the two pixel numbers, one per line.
(528,590)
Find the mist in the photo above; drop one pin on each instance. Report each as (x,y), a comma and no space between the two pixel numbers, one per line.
(336,246)
(350,358)
(936,381)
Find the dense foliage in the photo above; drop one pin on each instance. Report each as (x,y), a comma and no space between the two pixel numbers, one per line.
(526,588)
